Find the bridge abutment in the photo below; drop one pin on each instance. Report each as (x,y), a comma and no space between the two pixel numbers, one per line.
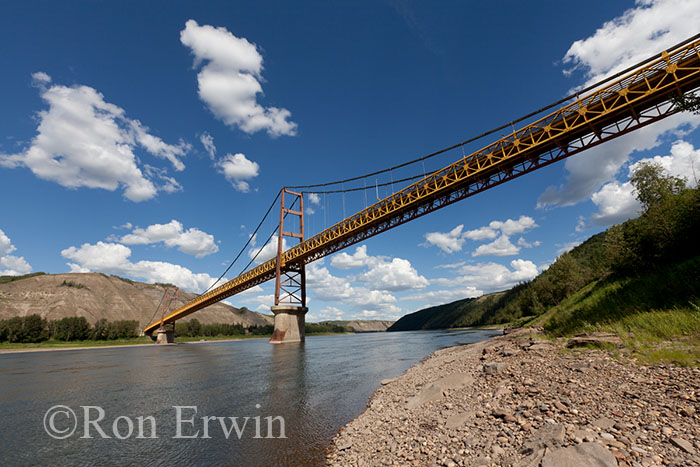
(165,334)
(290,321)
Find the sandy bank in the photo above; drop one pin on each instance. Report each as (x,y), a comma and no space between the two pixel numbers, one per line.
(522,401)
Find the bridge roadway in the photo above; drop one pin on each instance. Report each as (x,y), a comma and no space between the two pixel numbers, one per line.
(639,98)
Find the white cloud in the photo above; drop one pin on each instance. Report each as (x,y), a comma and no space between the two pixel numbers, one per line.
(314,198)
(11,265)
(594,167)
(438,297)
(191,241)
(617,202)
(567,247)
(639,33)
(329,313)
(83,141)
(525,244)
(326,287)
(229,80)
(237,169)
(452,241)
(502,246)
(684,162)
(207,141)
(482,233)
(41,78)
(113,258)
(358,259)
(514,226)
(267,251)
(449,242)
(393,276)
(491,277)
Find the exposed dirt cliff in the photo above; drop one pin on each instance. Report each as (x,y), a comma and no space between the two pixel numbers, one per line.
(96,296)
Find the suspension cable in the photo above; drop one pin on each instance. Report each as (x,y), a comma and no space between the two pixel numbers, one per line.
(518,120)
(250,238)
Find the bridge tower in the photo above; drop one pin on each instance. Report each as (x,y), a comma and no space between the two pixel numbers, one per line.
(166,332)
(290,280)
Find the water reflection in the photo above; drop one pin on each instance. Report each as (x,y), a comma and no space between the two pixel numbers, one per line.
(316,386)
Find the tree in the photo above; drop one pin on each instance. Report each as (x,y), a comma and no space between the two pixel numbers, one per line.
(194,328)
(687,103)
(652,185)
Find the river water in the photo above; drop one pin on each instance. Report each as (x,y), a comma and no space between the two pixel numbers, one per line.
(314,388)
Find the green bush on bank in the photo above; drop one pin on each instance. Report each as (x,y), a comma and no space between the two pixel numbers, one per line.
(34,328)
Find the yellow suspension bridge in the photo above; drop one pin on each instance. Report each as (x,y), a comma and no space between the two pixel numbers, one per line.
(630,100)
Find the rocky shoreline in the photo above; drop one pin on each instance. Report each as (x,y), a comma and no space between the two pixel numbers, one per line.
(521,400)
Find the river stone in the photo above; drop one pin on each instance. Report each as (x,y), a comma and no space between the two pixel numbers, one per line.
(431,393)
(458,419)
(581,455)
(494,368)
(343,444)
(540,346)
(388,381)
(548,436)
(597,339)
(533,460)
(683,444)
(604,423)
(455,381)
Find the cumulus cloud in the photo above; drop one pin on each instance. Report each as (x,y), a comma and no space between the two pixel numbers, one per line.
(358,259)
(329,313)
(113,258)
(591,169)
(237,169)
(84,141)
(191,241)
(267,251)
(229,80)
(617,202)
(452,241)
(393,276)
(449,242)
(491,277)
(502,246)
(383,274)
(314,198)
(438,297)
(482,233)
(640,32)
(338,290)
(11,265)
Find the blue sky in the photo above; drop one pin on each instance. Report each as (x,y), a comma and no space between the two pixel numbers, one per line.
(148,139)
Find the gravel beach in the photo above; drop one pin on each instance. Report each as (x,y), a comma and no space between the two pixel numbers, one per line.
(521,400)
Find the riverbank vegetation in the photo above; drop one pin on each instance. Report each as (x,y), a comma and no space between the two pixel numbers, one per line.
(639,279)
(34,331)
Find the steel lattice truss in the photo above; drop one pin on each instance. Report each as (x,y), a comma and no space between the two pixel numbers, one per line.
(639,98)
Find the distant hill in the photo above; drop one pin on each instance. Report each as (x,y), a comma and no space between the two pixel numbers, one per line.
(96,296)
(642,276)
(363,325)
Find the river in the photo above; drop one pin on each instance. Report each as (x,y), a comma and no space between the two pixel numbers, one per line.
(310,390)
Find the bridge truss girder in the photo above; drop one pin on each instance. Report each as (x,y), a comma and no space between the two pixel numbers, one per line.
(637,99)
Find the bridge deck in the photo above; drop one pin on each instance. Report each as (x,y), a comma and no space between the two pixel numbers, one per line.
(637,99)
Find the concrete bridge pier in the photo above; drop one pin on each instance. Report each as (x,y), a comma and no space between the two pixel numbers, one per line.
(165,334)
(289,323)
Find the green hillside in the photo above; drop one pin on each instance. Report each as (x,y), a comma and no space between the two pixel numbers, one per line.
(639,279)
